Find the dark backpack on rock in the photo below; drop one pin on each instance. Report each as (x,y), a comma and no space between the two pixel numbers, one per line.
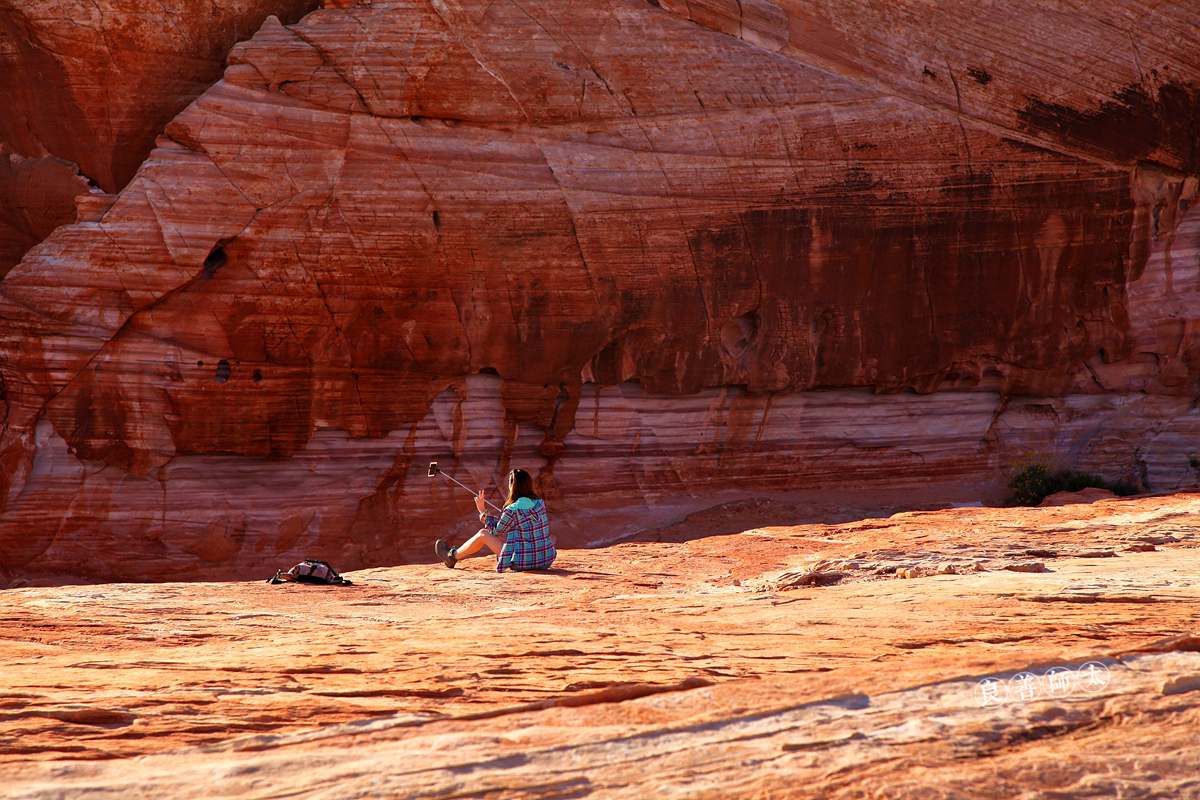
(310,571)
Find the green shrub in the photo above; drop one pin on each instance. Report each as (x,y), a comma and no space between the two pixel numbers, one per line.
(1028,486)
(1036,482)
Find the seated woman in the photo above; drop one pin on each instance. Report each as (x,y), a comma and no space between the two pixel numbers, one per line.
(520,536)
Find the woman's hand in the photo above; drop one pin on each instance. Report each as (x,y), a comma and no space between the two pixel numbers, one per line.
(479,501)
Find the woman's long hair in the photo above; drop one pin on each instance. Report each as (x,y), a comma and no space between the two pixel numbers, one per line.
(520,484)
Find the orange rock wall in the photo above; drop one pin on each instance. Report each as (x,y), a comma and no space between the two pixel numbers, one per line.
(1113,82)
(459,230)
(36,196)
(93,84)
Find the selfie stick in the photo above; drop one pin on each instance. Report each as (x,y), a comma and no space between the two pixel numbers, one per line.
(433,470)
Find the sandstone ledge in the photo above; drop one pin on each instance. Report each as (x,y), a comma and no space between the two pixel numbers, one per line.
(682,663)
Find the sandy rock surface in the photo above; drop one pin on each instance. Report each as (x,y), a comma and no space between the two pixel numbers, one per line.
(703,664)
(1088,495)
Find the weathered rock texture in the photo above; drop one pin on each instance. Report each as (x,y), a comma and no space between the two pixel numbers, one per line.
(1111,82)
(36,196)
(462,230)
(93,83)
(699,664)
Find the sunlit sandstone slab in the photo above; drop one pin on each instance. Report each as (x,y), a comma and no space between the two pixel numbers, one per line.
(699,662)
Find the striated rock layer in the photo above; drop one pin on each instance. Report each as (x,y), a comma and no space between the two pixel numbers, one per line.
(1109,81)
(713,666)
(36,196)
(621,243)
(92,83)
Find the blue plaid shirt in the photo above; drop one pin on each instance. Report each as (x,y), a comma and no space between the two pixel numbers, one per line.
(526,534)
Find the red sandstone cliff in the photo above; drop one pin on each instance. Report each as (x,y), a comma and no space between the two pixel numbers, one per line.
(36,196)
(93,82)
(403,231)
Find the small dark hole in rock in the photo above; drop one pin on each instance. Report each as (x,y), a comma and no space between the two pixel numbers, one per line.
(199,363)
(489,371)
(354,375)
(738,335)
(437,223)
(257,376)
(216,259)
(223,370)
(654,3)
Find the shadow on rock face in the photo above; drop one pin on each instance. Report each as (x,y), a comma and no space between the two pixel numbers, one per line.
(739,516)
(1135,124)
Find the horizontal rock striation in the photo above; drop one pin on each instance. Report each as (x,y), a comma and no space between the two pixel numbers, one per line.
(93,83)
(632,245)
(1109,81)
(36,196)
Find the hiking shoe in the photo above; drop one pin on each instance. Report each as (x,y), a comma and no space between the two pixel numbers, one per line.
(446,554)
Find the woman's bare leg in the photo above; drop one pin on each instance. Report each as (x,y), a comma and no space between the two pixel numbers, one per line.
(476,543)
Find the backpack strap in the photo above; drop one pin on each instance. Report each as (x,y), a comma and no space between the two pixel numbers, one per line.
(329,573)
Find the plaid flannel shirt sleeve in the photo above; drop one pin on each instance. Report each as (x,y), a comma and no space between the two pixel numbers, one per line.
(502,526)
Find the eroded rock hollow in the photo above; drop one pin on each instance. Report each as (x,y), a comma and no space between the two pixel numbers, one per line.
(649,249)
